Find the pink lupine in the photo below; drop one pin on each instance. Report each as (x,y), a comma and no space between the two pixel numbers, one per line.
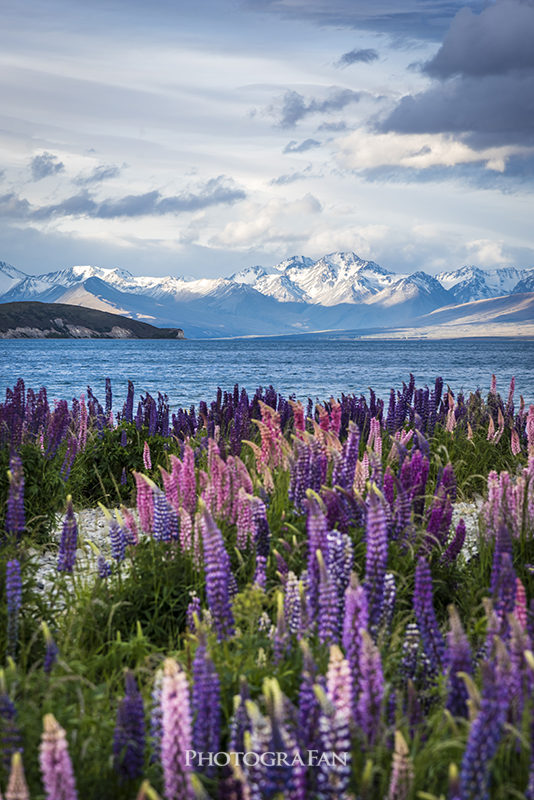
(186,530)
(469,432)
(55,763)
(510,395)
(17,788)
(188,485)
(147,461)
(130,526)
(298,417)
(493,387)
(245,519)
(515,443)
(170,485)
(520,608)
(491,430)
(176,732)
(530,432)
(335,416)
(273,444)
(402,775)
(145,502)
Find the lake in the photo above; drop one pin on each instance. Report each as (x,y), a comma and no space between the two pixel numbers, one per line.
(189,371)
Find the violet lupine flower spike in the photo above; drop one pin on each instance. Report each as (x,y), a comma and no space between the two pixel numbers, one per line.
(218,574)
(486,730)
(376,557)
(334,723)
(55,763)
(14,600)
(372,689)
(355,620)
(129,734)
(176,732)
(458,660)
(426,616)
(15,517)
(206,702)
(69,540)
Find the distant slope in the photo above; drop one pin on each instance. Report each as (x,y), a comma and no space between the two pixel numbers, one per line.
(34,320)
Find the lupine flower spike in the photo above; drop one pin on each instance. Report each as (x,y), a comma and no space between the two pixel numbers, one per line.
(55,763)
(17,788)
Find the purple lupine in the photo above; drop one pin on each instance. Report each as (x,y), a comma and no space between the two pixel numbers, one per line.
(457,542)
(165,526)
(176,736)
(103,567)
(14,601)
(334,721)
(109,397)
(51,650)
(129,733)
(317,540)
(240,721)
(390,597)
(369,704)
(69,540)
(376,558)
(505,588)
(340,554)
(457,660)
(15,517)
(503,544)
(328,615)
(193,610)
(486,730)
(308,703)
(217,570)
(118,541)
(54,759)
(70,455)
(10,735)
(206,700)
(124,438)
(356,620)
(426,616)
(292,604)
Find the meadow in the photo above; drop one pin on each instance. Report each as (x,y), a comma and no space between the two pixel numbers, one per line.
(278,578)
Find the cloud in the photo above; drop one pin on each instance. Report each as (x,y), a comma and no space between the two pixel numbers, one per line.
(334,127)
(216,191)
(44,165)
(483,84)
(293,106)
(363,150)
(357,57)
(292,177)
(101,173)
(295,147)
(419,19)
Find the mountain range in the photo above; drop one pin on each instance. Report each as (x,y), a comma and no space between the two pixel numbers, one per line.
(339,291)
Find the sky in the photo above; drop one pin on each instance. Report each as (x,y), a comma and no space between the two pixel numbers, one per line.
(196,138)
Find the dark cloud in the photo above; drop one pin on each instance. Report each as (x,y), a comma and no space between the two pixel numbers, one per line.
(101,173)
(333,127)
(419,19)
(495,42)
(484,80)
(44,165)
(294,106)
(217,191)
(357,57)
(296,147)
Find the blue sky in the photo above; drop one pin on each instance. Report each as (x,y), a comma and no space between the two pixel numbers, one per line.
(200,137)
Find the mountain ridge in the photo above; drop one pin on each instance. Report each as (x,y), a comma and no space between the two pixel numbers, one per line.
(340,291)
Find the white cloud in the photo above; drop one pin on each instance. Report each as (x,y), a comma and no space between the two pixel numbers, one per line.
(363,149)
(487,253)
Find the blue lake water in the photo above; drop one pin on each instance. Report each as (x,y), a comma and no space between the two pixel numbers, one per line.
(189,371)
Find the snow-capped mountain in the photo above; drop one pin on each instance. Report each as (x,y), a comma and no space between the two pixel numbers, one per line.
(339,291)
(471,283)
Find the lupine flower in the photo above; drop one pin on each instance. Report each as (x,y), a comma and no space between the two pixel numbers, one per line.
(217,571)
(51,651)
(400,782)
(103,566)
(176,732)
(376,558)
(129,734)
(193,609)
(308,704)
(14,601)
(10,735)
(457,660)
(55,763)
(369,704)
(486,730)
(356,620)
(520,606)
(426,616)
(15,517)
(147,461)
(457,542)
(317,540)
(131,534)
(145,502)
(332,780)
(69,540)
(292,604)
(17,788)
(328,617)
(206,701)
